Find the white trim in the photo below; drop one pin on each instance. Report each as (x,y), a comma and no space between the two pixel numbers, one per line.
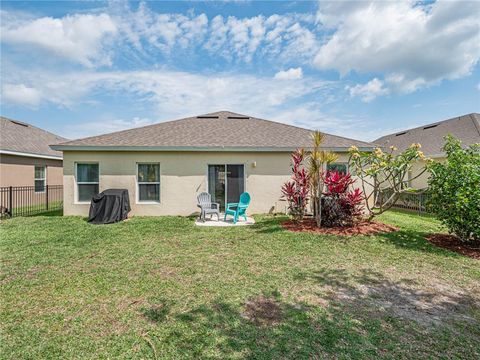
(75,164)
(137,185)
(18,153)
(195,148)
(226,182)
(35,179)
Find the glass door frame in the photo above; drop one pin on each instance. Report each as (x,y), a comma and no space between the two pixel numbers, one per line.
(226,181)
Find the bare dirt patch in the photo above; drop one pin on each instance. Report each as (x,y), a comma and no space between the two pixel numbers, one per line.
(263,311)
(453,243)
(360,228)
(372,293)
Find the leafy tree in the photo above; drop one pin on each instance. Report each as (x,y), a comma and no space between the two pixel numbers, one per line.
(296,191)
(380,170)
(454,188)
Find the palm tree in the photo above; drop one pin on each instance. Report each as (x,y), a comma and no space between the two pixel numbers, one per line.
(317,161)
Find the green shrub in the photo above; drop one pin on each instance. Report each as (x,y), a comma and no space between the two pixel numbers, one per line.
(454,187)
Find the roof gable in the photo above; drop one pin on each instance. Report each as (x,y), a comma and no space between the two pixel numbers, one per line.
(218,130)
(466,128)
(20,137)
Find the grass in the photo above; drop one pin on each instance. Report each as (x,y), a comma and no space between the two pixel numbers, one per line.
(39,208)
(163,288)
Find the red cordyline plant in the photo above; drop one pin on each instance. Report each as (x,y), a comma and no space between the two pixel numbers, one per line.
(296,192)
(342,204)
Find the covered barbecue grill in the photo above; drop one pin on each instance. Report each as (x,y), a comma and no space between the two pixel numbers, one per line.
(109,206)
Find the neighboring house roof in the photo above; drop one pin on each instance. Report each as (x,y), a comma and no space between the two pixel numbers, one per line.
(19,138)
(431,136)
(218,131)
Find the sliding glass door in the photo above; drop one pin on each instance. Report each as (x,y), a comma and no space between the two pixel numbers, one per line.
(225,183)
(217,184)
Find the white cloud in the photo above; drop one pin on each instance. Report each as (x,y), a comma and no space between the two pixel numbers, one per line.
(102,126)
(411,44)
(20,94)
(369,91)
(171,92)
(161,31)
(290,74)
(79,38)
(140,34)
(281,37)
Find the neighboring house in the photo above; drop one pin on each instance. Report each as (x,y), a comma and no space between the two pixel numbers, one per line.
(26,158)
(431,137)
(166,165)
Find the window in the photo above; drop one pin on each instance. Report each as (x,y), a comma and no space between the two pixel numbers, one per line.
(148,179)
(87,181)
(339,167)
(39,178)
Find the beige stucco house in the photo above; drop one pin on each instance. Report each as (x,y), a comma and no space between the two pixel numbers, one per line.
(166,165)
(26,158)
(431,137)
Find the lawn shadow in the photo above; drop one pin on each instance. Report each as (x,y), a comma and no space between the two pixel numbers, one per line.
(58,212)
(157,312)
(263,328)
(357,315)
(415,240)
(374,294)
(268,225)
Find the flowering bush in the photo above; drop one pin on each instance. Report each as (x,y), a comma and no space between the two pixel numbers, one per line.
(342,206)
(379,170)
(454,188)
(296,191)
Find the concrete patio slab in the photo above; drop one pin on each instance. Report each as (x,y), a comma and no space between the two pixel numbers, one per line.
(229,222)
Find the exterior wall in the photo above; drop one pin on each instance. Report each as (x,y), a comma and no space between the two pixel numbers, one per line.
(183,175)
(422,181)
(20,170)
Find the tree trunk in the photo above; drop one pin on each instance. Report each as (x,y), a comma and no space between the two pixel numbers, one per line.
(318,217)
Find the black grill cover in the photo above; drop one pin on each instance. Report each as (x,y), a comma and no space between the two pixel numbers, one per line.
(109,206)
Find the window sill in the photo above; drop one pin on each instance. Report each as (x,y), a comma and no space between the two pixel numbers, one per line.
(148,202)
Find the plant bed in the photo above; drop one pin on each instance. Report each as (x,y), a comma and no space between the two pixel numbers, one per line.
(453,243)
(360,228)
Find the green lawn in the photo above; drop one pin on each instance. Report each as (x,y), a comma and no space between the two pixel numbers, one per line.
(163,288)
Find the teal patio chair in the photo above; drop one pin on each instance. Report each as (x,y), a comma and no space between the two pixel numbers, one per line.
(238,209)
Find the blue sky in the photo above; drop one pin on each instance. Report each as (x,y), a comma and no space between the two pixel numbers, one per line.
(356,69)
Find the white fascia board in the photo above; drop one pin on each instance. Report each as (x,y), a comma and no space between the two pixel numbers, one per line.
(25,154)
(191,148)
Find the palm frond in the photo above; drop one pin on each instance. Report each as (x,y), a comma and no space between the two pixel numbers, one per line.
(317,138)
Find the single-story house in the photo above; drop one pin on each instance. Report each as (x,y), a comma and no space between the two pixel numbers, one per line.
(466,128)
(26,158)
(166,165)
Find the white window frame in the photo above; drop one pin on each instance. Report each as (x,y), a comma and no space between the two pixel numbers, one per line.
(77,193)
(138,183)
(35,179)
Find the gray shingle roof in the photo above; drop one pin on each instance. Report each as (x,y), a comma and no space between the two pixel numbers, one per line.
(21,137)
(216,130)
(466,128)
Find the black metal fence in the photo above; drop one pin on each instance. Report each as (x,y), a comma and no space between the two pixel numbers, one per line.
(28,200)
(415,201)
